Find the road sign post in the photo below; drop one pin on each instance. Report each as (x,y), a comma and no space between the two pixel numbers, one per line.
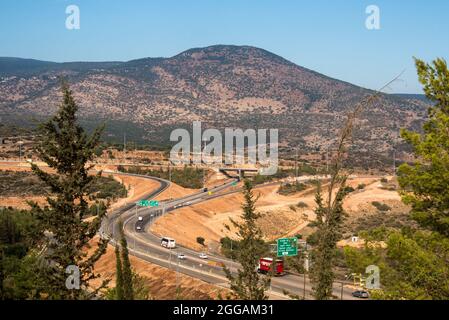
(147,203)
(287,247)
(143,203)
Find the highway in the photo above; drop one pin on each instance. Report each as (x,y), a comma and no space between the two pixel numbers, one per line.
(145,245)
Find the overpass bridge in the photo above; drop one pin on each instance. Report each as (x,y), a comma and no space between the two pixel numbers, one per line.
(240,171)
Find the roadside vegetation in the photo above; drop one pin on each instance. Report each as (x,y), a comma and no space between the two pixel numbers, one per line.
(291,188)
(187,177)
(303,169)
(23,183)
(247,284)
(59,234)
(128,284)
(413,262)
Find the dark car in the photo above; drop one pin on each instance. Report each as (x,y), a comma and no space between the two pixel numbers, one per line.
(360,294)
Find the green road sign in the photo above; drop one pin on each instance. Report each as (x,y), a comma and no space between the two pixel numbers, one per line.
(148,203)
(143,203)
(287,247)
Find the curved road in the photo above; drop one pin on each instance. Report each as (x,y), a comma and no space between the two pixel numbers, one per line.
(145,245)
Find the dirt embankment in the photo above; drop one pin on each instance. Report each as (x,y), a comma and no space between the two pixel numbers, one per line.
(281,215)
(137,188)
(210,219)
(162,282)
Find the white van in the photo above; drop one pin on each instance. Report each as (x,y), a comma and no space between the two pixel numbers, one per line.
(168,242)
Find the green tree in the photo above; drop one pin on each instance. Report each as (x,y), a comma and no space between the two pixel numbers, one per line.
(140,288)
(200,240)
(425,184)
(118,275)
(329,220)
(67,149)
(329,211)
(2,274)
(129,285)
(414,263)
(127,274)
(248,285)
(19,265)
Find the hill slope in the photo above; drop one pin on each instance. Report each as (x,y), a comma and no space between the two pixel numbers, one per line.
(223,86)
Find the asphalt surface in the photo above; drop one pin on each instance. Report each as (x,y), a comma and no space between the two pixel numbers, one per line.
(147,246)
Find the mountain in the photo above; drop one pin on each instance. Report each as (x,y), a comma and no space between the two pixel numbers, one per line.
(222,85)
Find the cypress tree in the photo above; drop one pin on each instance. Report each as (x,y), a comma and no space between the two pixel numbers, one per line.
(118,275)
(127,275)
(248,285)
(329,219)
(67,149)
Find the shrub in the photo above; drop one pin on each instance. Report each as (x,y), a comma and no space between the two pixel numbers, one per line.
(302,204)
(186,177)
(289,188)
(348,189)
(361,186)
(381,206)
(200,240)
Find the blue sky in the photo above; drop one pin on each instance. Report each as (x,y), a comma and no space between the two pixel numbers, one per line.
(328,36)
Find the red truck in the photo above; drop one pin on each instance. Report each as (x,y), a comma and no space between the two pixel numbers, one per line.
(266,263)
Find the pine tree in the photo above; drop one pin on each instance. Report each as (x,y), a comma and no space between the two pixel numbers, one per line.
(413,265)
(425,184)
(67,149)
(248,285)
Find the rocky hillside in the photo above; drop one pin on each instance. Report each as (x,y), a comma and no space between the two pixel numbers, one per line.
(223,86)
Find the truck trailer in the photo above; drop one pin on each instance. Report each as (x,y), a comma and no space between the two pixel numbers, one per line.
(265,265)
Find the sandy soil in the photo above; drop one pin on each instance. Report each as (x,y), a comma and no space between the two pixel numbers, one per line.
(160,281)
(175,191)
(359,202)
(209,219)
(280,215)
(137,187)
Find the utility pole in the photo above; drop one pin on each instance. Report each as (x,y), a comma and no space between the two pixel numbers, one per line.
(169,260)
(169,179)
(304,286)
(177,280)
(306,269)
(202,162)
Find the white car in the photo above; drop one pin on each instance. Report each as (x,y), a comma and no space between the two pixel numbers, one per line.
(140,218)
(203,256)
(138,228)
(181,256)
